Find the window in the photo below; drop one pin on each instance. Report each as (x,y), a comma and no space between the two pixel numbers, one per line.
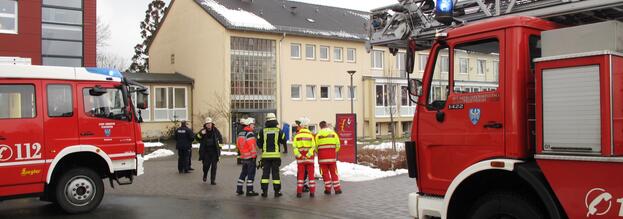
(310,52)
(485,50)
(401,65)
(60,101)
(404,96)
(324,92)
(295,51)
(377,59)
(145,113)
(496,68)
(109,105)
(337,90)
(8,16)
(351,55)
(385,95)
(295,92)
(445,64)
(64,3)
(311,92)
(423,58)
(463,65)
(437,95)
(380,96)
(17,102)
(481,66)
(253,66)
(324,53)
(171,104)
(64,16)
(61,33)
(352,92)
(337,54)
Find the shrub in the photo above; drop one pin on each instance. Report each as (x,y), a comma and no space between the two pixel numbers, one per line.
(382,159)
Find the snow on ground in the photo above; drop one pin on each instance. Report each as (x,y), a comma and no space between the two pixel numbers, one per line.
(239,18)
(159,153)
(224,146)
(153,144)
(229,153)
(400,146)
(348,172)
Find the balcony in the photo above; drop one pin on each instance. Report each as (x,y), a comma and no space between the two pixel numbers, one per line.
(402,111)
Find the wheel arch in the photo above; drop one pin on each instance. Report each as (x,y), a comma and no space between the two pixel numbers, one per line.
(72,153)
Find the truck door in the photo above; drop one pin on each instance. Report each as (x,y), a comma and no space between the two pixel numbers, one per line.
(60,111)
(21,137)
(463,121)
(105,119)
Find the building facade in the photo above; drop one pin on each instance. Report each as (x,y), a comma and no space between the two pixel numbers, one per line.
(48,32)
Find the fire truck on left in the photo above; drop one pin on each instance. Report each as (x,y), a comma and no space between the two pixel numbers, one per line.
(63,130)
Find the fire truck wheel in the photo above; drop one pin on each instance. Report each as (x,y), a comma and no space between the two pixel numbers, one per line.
(503,204)
(79,190)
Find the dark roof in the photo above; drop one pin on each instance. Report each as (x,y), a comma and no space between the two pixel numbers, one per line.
(295,18)
(167,78)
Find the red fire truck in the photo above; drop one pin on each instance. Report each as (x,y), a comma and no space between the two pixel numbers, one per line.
(62,130)
(517,116)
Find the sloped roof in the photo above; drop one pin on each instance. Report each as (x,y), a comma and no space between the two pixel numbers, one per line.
(281,16)
(168,78)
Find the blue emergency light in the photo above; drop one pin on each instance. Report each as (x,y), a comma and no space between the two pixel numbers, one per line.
(443,11)
(105,72)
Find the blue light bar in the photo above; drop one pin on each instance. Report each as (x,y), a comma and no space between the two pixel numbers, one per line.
(106,72)
(444,6)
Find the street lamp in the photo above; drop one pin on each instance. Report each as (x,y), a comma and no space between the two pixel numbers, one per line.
(351,91)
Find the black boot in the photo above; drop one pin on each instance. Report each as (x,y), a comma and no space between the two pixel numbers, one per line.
(205,178)
(252,193)
(212,182)
(327,192)
(305,188)
(298,195)
(278,194)
(264,193)
(239,192)
(311,194)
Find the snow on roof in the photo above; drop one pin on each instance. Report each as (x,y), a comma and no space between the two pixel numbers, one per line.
(239,18)
(341,34)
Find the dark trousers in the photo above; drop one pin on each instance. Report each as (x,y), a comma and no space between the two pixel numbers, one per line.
(183,160)
(247,173)
(190,157)
(271,166)
(210,161)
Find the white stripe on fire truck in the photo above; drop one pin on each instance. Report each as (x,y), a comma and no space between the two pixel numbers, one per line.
(126,154)
(22,163)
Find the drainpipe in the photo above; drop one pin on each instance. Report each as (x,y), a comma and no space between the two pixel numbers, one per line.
(283,36)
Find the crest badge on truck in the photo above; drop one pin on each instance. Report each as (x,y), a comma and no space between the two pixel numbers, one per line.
(474,115)
(107,132)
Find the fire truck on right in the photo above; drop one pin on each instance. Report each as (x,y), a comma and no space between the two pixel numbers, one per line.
(539,134)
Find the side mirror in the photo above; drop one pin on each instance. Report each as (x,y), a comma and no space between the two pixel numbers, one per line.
(142,99)
(415,87)
(97,91)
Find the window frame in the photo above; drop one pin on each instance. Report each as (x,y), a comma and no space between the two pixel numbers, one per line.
(422,65)
(484,67)
(354,60)
(167,98)
(328,92)
(328,48)
(374,67)
(313,51)
(15,19)
(71,92)
(313,92)
(86,113)
(353,95)
(466,63)
(298,86)
(341,52)
(134,97)
(34,105)
(299,50)
(447,59)
(341,91)
(400,64)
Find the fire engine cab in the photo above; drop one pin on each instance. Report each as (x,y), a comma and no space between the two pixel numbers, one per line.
(62,130)
(517,116)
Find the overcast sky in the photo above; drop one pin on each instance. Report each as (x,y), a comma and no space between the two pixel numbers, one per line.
(124,16)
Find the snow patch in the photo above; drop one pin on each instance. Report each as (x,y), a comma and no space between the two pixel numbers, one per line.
(159,154)
(153,144)
(400,146)
(239,18)
(229,153)
(224,146)
(348,172)
(341,34)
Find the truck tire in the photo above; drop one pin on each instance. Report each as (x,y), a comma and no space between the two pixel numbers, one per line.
(503,205)
(79,190)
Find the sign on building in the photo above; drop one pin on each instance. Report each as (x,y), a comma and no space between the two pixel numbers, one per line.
(346,128)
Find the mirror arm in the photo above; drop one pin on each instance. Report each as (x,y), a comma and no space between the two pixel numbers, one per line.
(411,96)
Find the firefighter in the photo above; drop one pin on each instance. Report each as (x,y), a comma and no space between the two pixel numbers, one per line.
(247,144)
(184,138)
(328,145)
(298,127)
(304,148)
(209,150)
(269,140)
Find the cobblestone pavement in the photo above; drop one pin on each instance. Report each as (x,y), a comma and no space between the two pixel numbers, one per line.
(382,198)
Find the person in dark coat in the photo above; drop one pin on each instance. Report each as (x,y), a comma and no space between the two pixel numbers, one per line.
(209,149)
(184,138)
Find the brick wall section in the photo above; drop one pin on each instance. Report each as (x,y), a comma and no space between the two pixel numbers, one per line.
(27,42)
(90,24)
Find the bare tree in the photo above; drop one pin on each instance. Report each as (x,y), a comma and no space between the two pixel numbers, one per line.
(109,60)
(103,34)
(218,109)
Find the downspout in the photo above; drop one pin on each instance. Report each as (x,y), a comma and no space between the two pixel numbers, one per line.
(283,36)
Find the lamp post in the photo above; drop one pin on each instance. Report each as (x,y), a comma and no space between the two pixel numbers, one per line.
(351,91)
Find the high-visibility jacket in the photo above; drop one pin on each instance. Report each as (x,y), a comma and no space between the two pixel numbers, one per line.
(328,145)
(304,146)
(269,140)
(247,143)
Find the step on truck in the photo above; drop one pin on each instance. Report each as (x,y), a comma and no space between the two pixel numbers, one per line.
(63,130)
(517,116)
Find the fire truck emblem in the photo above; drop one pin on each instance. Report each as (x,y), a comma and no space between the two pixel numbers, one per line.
(594,199)
(107,132)
(5,153)
(474,115)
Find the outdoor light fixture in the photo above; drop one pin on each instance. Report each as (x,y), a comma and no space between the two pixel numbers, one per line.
(443,11)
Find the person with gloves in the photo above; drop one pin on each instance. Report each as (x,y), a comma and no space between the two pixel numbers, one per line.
(209,139)
(304,149)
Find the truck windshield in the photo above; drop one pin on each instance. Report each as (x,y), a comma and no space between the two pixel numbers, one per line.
(109,105)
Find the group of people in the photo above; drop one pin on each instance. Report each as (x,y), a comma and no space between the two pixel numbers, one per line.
(272,142)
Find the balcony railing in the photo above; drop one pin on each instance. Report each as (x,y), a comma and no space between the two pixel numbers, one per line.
(403,111)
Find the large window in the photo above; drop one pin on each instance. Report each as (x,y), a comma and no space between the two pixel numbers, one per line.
(17,101)
(324,92)
(295,92)
(481,51)
(377,59)
(351,55)
(311,92)
(423,58)
(8,16)
(60,100)
(295,50)
(109,105)
(438,93)
(386,95)
(310,52)
(404,96)
(253,74)
(61,32)
(337,92)
(401,65)
(337,54)
(324,53)
(171,104)
(445,64)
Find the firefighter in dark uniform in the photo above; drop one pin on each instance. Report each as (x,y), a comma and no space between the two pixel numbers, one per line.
(269,140)
(210,149)
(184,138)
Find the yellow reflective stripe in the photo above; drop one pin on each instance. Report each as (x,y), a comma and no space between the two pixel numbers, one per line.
(326,146)
(276,182)
(264,181)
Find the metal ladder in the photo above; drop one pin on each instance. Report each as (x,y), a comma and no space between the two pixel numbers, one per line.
(394,25)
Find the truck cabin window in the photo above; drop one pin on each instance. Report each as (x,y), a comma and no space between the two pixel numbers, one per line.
(17,102)
(109,105)
(438,89)
(476,66)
